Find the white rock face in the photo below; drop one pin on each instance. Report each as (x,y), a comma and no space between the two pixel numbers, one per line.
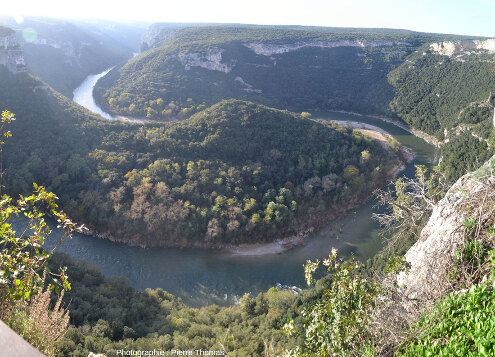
(266,49)
(8,42)
(11,54)
(461,47)
(249,88)
(432,255)
(211,61)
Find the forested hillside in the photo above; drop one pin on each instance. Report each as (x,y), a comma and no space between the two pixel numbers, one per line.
(438,84)
(235,172)
(232,171)
(434,92)
(292,68)
(449,95)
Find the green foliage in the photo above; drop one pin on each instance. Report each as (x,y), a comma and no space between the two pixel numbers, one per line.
(7,118)
(448,96)
(24,304)
(22,258)
(463,154)
(338,324)
(475,114)
(396,264)
(390,258)
(237,171)
(434,92)
(460,325)
(229,173)
(407,80)
(108,314)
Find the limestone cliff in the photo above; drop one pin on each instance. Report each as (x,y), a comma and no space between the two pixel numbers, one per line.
(211,60)
(11,54)
(71,51)
(462,47)
(432,256)
(159,32)
(267,49)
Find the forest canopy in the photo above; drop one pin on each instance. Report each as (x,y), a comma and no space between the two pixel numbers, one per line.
(233,173)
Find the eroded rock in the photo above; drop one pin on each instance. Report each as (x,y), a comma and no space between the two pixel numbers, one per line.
(431,258)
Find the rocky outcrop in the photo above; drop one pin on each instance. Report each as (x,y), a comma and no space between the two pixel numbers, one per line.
(248,87)
(432,256)
(211,60)
(11,54)
(159,32)
(71,51)
(267,49)
(462,47)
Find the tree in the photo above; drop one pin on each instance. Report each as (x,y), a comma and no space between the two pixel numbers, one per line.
(113,102)
(412,200)
(338,324)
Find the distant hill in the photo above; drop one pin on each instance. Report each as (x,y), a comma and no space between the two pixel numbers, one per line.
(288,67)
(63,53)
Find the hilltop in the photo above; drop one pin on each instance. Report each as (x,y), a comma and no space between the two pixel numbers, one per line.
(242,172)
(284,67)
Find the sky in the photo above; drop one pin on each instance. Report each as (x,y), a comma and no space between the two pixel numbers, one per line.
(467,17)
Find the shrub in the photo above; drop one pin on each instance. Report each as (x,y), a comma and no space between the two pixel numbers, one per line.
(461,325)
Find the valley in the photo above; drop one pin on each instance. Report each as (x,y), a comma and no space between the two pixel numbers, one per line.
(221,277)
(254,190)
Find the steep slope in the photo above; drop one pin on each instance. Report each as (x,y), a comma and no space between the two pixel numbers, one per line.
(63,53)
(440,85)
(446,90)
(11,54)
(286,67)
(437,88)
(237,171)
(447,239)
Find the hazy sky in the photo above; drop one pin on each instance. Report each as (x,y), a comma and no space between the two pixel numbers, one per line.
(469,17)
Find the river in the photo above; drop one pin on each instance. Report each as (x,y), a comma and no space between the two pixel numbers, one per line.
(200,277)
(83,95)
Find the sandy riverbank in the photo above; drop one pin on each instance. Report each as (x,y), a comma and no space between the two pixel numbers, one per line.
(379,134)
(420,134)
(258,249)
(131,119)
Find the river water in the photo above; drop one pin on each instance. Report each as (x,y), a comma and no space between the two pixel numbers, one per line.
(83,95)
(201,277)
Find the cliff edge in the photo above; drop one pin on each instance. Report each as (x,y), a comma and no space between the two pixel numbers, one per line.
(433,256)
